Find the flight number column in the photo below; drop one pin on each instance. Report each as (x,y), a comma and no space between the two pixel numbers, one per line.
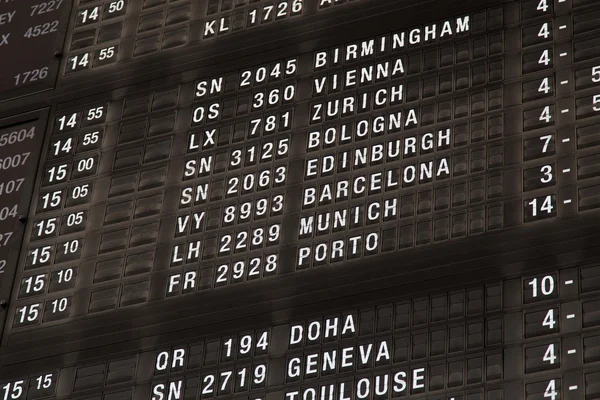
(232,180)
(231,365)
(51,263)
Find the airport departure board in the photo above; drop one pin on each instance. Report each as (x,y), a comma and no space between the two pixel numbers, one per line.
(300,199)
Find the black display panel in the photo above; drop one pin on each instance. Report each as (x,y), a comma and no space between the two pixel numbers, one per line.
(32,34)
(21,139)
(305,199)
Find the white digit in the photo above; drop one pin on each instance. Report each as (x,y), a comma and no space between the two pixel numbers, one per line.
(546,139)
(245,344)
(70,247)
(62,147)
(95,113)
(65,275)
(236,158)
(40,255)
(46,227)
(255,124)
(261,75)
(79,191)
(547,171)
(258,100)
(45,383)
(285,118)
(34,285)
(550,391)
(267,12)
(90,138)
(75,219)
(270,123)
(546,116)
(228,344)
(263,341)
(59,305)
(90,15)
(245,211)
(545,86)
(271,264)
(260,373)
(115,6)
(238,270)
(289,93)
(291,66)
(227,375)
(246,78)
(17,390)
(248,183)
(251,155)
(545,57)
(549,355)
(547,285)
(276,71)
(57,173)
(296,6)
(547,205)
(85,164)
(51,199)
(242,375)
(544,31)
(69,121)
(107,53)
(596,74)
(29,314)
(274,233)
(549,319)
(261,207)
(229,216)
(209,381)
(222,273)
(81,60)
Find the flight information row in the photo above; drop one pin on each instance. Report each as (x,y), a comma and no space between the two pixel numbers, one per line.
(121,38)
(115,31)
(355,347)
(258,264)
(165,26)
(534,118)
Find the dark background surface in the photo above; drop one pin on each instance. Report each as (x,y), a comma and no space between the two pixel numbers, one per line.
(565,245)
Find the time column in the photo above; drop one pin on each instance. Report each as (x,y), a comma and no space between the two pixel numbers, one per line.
(51,264)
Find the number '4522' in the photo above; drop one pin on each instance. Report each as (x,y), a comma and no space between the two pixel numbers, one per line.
(41,30)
